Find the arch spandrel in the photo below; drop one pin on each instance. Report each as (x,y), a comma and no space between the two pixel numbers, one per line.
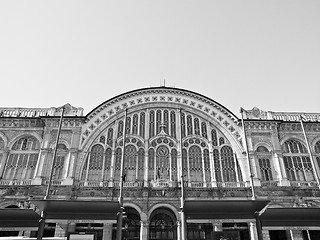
(99,118)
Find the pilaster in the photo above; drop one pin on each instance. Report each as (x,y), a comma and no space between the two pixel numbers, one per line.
(107,231)
(253,231)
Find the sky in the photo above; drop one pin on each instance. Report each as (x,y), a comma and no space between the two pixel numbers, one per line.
(238,53)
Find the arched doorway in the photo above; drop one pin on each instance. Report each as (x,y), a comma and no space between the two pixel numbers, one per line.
(130,226)
(163,225)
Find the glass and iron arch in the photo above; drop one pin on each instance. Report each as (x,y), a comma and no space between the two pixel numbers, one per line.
(297,161)
(22,159)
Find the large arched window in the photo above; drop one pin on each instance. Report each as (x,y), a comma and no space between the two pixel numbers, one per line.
(264,157)
(92,170)
(226,168)
(107,165)
(296,161)
(23,159)
(130,163)
(62,152)
(162,163)
(117,164)
(195,164)
(228,164)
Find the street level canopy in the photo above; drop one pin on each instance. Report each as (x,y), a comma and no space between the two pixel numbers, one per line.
(223,209)
(15,217)
(291,217)
(89,210)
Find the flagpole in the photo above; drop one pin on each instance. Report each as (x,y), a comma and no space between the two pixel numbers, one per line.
(248,158)
(43,214)
(309,151)
(120,214)
(182,214)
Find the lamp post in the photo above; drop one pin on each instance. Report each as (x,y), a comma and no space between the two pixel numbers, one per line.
(248,158)
(43,214)
(182,214)
(310,154)
(120,214)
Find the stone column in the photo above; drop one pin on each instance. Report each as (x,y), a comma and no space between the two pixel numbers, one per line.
(253,231)
(178,230)
(44,157)
(282,170)
(143,230)
(70,166)
(107,231)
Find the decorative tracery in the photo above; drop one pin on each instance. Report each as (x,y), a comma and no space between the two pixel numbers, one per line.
(296,161)
(161,149)
(23,159)
(265,168)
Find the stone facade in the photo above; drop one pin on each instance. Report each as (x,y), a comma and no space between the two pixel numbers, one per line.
(168,132)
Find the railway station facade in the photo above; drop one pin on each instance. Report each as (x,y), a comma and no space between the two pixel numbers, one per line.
(165,133)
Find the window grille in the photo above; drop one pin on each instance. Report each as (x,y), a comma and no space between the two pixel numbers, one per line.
(196,126)
(214,137)
(107,165)
(22,159)
(95,163)
(217,167)
(140,164)
(159,120)
(162,163)
(151,163)
(102,139)
(128,125)
(110,137)
(189,125)
(135,124)
(142,124)
(166,121)
(183,125)
(204,130)
(297,162)
(173,124)
(130,163)
(207,169)
(264,163)
(120,128)
(62,152)
(195,164)
(227,164)
(151,124)
(221,141)
(117,164)
(174,160)
(185,163)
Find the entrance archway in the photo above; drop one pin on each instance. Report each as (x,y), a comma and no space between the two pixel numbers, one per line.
(163,225)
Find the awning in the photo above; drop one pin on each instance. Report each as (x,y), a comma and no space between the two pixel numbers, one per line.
(89,210)
(291,217)
(223,209)
(15,217)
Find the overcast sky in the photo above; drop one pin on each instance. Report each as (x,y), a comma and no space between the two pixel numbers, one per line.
(239,53)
